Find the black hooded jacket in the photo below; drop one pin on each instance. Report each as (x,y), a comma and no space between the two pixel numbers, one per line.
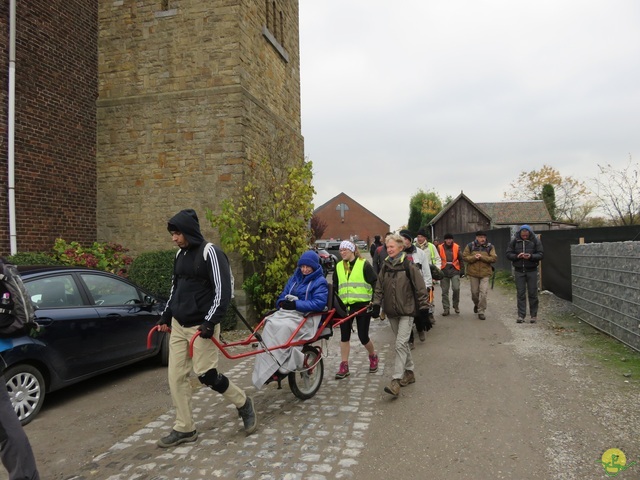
(532,246)
(202,283)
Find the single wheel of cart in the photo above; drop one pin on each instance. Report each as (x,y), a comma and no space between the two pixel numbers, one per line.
(304,383)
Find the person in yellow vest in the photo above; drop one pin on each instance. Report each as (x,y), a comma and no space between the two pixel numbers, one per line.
(452,269)
(354,280)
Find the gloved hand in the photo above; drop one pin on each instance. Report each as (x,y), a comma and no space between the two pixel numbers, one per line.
(423,316)
(206,329)
(288,305)
(375,311)
(32,329)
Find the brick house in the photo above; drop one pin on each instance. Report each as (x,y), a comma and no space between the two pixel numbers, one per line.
(347,219)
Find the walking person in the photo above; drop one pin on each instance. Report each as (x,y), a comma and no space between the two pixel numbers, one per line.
(525,252)
(377,242)
(354,281)
(201,291)
(418,257)
(452,269)
(479,257)
(401,291)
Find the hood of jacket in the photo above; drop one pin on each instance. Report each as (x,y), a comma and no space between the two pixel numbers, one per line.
(526,227)
(186,222)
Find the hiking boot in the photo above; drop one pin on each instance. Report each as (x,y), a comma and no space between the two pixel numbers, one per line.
(445,313)
(407,378)
(393,388)
(475,309)
(456,309)
(533,319)
(422,336)
(520,320)
(343,371)
(176,438)
(373,363)
(481,316)
(249,416)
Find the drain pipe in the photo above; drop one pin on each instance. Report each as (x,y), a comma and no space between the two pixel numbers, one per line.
(11,128)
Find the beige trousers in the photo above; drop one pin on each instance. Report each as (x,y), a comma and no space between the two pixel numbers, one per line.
(479,290)
(205,358)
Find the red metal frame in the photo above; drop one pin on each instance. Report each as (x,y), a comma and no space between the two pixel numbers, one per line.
(327,321)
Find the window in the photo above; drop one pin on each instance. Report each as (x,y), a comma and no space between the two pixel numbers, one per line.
(273,29)
(52,292)
(109,291)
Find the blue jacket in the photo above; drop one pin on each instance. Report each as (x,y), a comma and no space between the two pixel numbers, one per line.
(312,290)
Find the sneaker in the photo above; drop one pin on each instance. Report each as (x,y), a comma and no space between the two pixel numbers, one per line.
(249,416)
(481,316)
(343,371)
(533,319)
(373,363)
(520,320)
(475,309)
(393,388)
(445,313)
(456,309)
(422,336)
(407,378)
(176,438)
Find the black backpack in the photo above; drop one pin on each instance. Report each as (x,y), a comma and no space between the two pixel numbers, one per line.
(17,313)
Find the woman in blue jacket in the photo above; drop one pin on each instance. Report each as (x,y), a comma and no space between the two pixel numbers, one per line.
(306,291)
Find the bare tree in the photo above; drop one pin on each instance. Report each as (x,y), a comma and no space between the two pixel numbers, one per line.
(618,192)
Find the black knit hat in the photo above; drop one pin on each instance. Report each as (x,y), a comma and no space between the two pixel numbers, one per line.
(448,235)
(422,232)
(406,234)
(481,233)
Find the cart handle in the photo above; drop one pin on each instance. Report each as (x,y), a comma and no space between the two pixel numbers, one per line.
(150,335)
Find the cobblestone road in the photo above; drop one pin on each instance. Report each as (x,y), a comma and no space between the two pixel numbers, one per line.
(314,439)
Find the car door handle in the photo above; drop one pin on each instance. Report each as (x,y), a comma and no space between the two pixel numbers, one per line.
(114,315)
(44,322)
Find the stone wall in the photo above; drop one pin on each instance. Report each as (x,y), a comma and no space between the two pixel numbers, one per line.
(606,288)
(187,96)
(56,88)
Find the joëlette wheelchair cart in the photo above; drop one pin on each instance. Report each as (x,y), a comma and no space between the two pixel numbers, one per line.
(306,380)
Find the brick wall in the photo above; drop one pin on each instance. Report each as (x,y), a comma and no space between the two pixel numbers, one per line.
(357,220)
(56,88)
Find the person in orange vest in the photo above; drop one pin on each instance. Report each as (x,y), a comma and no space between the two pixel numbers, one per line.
(452,269)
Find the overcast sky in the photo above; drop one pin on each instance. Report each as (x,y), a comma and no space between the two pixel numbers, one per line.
(463,95)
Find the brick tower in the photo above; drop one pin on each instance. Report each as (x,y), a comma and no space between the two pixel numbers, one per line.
(190,92)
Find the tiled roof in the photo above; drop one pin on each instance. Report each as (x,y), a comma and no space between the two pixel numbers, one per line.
(511,213)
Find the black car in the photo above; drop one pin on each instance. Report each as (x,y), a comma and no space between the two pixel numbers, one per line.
(90,322)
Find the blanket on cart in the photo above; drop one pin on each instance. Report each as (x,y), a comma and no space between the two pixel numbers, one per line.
(278,327)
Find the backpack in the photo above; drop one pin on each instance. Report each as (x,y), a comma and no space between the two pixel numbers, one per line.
(16,309)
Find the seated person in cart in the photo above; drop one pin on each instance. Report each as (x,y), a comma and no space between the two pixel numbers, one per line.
(306,291)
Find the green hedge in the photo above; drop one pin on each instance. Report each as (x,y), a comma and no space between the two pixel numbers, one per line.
(153,271)
(26,258)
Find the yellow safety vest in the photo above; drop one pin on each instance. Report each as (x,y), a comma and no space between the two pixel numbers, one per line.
(352,287)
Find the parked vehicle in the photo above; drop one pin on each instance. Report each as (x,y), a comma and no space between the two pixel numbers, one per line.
(328,261)
(90,322)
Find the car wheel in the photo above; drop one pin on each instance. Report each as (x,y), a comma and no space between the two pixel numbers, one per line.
(164,350)
(26,389)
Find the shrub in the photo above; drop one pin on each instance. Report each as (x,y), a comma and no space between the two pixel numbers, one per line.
(32,258)
(109,257)
(153,271)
